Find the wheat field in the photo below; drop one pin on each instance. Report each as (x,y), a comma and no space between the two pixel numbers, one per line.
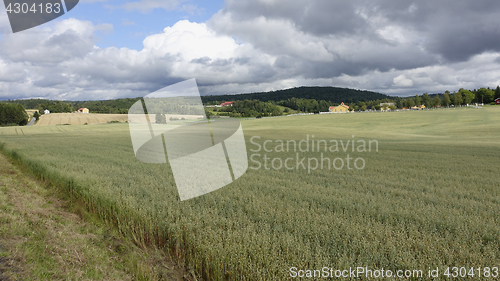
(427,197)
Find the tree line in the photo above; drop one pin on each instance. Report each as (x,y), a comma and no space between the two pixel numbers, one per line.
(303,99)
(247,108)
(459,98)
(117,106)
(462,97)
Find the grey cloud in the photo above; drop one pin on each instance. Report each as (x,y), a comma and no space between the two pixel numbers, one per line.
(203,60)
(464,40)
(51,80)
(456,30)
(242,60)
(320,17)
(37,48)
(422,75)
(453,30)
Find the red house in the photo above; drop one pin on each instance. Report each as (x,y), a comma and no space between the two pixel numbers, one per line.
(227,103)
(497,101)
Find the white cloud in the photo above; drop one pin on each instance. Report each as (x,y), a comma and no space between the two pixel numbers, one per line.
(146,6)
(68,39)
(191,41)
(11,72)
(402,81)
(63,62)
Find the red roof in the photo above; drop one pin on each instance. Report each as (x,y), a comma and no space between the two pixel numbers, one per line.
(346,106)
(226,103)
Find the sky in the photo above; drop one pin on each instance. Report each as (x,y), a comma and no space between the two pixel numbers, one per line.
(107,49)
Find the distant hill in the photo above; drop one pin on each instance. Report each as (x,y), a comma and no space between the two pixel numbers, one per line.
(330,94)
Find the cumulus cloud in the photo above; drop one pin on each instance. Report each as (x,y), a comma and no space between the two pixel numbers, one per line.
(146,6)
(68,39)
(398,47)
(63,62)
(402,81)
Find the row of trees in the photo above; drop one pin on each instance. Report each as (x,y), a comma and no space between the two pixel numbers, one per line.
(248,108)
(462,97)
(306,105)
(118,106)
(12,114)
(55,107)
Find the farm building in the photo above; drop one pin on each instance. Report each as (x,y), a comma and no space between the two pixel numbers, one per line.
(46,111)
(227,103)
(83,110)
(497,101)
(342,108)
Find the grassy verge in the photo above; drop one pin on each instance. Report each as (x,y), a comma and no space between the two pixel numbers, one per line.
(44,236)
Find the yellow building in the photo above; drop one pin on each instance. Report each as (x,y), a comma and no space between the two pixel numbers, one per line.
(342,108)
(83,110)
(418,107)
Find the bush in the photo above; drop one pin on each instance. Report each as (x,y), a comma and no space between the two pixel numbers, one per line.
(161,119)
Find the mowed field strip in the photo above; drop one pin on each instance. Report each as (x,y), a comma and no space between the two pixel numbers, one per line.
(428,197)
(80,118)
(95,118)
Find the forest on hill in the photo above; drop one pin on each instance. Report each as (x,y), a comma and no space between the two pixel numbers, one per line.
(328,94)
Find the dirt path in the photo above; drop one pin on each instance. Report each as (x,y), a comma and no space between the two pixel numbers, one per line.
(40,239)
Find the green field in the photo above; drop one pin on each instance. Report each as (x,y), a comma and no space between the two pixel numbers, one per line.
(429,197)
